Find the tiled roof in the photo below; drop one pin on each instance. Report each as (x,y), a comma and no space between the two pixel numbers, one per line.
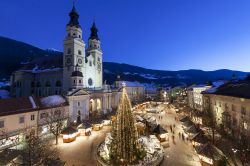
(15,105)
(28,104)
(235,89)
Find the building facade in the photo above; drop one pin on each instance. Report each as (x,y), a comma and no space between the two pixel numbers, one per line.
(198,97)
(20,116)
(135,90)
(77,75)
(230,107)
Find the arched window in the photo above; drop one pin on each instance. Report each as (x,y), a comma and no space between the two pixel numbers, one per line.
(80,36)
(58,83)
(19,84)
(79,52)
(32,84)
(69,51)
(38,84)
(80,81)
(47,84)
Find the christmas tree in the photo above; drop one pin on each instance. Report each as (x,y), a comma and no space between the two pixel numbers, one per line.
(124,146)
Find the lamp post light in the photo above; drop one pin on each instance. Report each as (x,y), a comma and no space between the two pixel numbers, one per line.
(234,151)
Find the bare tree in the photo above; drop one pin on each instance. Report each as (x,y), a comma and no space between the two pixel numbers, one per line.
(3,137)
(37,151)
(56,120)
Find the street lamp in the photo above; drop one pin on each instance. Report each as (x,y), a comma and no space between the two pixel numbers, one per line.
(234,151)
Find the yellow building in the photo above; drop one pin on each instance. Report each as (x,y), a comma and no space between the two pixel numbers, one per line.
(230,105)
(19,116)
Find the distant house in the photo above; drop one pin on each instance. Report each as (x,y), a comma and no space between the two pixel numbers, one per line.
(135,90)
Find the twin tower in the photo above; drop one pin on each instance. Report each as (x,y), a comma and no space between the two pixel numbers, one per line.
(82,67)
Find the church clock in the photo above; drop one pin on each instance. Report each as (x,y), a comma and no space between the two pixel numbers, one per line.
(68,61)
(80,61)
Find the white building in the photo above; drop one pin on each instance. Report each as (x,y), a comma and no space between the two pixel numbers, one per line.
(135,90)
(197,96)
(19,116)
(78,75)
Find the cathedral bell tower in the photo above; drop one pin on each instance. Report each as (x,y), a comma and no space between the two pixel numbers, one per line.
(94,54)
(73,54)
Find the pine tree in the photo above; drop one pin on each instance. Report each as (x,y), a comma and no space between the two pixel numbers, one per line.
(124,146)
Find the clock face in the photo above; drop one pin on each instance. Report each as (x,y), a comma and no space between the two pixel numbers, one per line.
(68,61)
(79,61)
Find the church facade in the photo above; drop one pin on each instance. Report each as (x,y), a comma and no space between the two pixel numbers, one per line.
(77,75)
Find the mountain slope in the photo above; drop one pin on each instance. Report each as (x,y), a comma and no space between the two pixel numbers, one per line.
(15,54)
(174,78)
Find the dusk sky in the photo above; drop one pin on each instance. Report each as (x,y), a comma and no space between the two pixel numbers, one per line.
(157,34)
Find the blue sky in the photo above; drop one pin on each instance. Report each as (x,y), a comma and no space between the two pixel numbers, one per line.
(158,34)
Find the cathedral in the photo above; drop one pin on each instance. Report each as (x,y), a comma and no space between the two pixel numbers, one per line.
(77,75)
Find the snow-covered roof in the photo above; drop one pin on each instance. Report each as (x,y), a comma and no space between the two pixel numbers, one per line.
(133,84)
(216,85)
(4,94)
(54,100)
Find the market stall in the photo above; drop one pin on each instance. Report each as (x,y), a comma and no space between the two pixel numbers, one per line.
(69,134)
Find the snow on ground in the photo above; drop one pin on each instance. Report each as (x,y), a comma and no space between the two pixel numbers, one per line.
(166,77)
(37,70)
(148,76)
(133,84)
(4,84)
(4,94)
(107,71)
(179,76)
(54,100)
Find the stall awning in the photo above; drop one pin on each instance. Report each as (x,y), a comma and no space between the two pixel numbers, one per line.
(68,130)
